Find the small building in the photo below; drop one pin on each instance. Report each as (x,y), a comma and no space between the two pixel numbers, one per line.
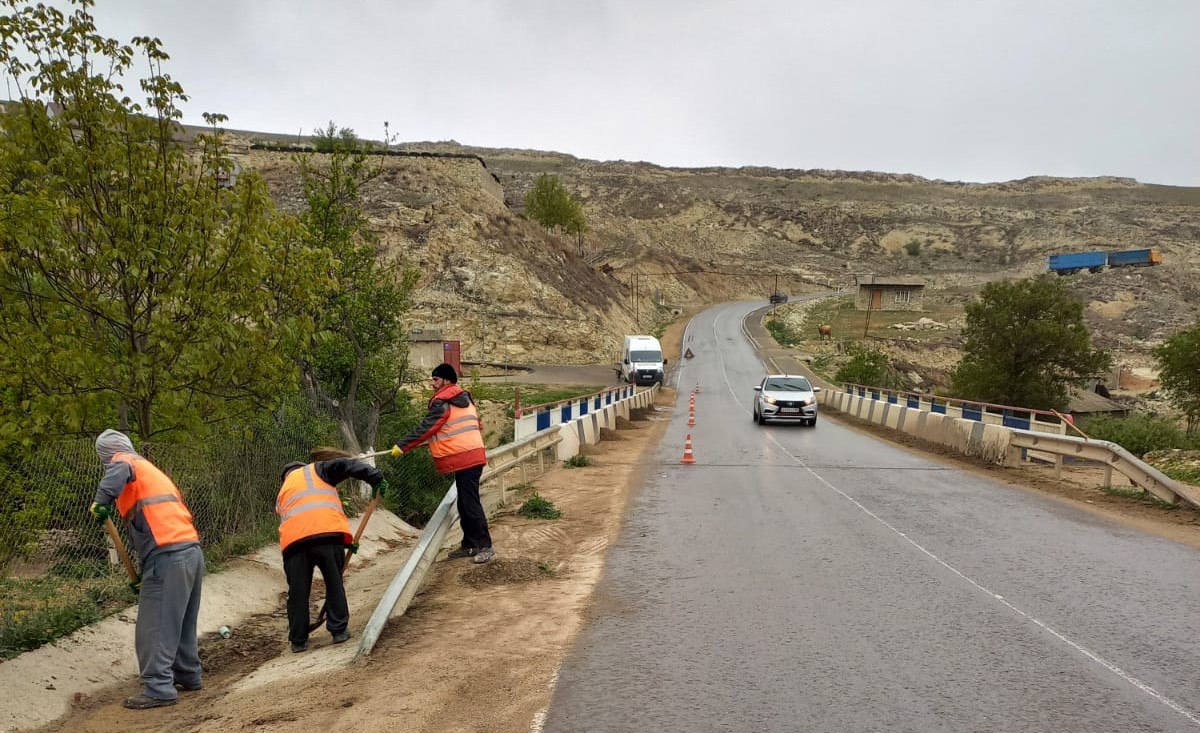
(427,349)
(1088,402)
(880,293)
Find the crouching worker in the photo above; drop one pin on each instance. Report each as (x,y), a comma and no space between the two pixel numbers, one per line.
(172,566)
(314,533)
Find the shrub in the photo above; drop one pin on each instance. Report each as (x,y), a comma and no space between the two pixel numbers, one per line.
(1139,434)
(868,367)
(782,334)
(913,248)
(577,461)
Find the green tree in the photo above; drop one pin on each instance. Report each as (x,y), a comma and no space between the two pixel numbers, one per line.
(1024,343)
(356,361)
(1179,372)
(133,284)
(550,204)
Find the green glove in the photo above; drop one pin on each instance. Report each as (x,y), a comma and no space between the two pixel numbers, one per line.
(100,512)
(353,548)
(136,586)
(381,488)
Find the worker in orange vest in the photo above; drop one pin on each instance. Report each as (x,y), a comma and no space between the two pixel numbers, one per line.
(172,569)
(314,533)
(454,432)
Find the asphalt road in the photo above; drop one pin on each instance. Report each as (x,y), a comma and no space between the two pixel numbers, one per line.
(816,579)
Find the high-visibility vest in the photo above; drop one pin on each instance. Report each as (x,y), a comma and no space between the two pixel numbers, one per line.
(458,443)
(153,496)
(308,506)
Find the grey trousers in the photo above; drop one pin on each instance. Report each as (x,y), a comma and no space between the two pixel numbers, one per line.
(165,636)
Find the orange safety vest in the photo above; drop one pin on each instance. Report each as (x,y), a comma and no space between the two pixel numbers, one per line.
(458,443)
(308,506)
(154,496)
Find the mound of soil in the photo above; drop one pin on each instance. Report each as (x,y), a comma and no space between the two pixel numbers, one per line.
(502,571)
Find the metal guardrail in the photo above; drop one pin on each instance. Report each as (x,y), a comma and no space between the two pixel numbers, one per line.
(404,586)
(1030,441)
(1010,416)
(1113,457)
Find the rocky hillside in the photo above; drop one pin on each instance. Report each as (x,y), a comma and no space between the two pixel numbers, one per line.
(697,236)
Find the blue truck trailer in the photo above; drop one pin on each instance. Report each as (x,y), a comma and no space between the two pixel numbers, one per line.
(1067,264)
(1135,258)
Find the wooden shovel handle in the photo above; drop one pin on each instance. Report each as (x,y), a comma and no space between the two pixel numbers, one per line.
(120,547)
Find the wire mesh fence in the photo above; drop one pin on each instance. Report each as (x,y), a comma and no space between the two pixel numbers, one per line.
(58,568)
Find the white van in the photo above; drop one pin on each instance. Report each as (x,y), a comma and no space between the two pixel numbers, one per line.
(642,361)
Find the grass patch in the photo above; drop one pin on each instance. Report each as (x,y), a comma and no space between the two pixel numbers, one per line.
(1140,434)
(1138,494)
(539,507)
(36,611)
(578,460)
(546,568)
(783,335)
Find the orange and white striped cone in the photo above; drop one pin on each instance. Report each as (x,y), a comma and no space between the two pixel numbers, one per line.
(692,416)
(688,457)
(697,389)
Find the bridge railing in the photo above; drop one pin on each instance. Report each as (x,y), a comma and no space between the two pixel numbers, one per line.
(534,418)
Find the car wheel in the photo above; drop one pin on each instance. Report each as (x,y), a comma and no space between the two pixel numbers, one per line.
(812,423)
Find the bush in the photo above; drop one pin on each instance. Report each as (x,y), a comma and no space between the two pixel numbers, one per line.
(1139,434)
(867,367)
(539,507)
(913,248)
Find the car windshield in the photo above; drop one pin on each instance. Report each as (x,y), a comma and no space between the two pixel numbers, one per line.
(645,356)
(788,384)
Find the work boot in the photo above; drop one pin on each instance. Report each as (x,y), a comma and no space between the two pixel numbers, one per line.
(145,702)
(484,555)
(340,637)
(297,648)
(458,552)
(189,688)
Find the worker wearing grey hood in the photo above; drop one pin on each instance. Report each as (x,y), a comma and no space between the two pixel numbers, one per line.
(172,568)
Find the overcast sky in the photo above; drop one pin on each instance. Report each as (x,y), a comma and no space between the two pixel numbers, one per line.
(976,90)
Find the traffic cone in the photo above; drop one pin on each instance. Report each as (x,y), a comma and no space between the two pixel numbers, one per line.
(697,389)
(688,458)
(692,416)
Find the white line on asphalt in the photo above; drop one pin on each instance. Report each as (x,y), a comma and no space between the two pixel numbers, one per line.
(1191,716)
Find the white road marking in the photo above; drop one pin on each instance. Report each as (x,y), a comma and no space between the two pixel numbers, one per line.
(1191,716)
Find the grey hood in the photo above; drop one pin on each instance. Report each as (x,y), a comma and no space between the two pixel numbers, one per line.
(112,442)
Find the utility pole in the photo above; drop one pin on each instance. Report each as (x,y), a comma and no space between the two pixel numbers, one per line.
(773,299)
(870,301)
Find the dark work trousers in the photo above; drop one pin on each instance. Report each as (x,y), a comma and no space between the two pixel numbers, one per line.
(330,557)
(470,509)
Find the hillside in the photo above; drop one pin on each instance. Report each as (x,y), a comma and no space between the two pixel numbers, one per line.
(489,275)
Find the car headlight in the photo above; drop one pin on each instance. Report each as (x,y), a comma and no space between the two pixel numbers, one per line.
(769,400)
(804,403)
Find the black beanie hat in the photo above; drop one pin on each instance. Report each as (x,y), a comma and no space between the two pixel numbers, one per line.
(291,467)
(446,372)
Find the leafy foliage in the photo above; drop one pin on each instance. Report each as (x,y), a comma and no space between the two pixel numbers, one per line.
(1025,341)
(1179,372)
(1139,434)
(550,204)
(578,460)
(867,367)
(782,334)
(133,279)
(357,357)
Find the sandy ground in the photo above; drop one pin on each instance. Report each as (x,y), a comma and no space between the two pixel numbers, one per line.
(477,652)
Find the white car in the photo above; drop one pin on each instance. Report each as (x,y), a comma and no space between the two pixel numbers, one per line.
(786,397)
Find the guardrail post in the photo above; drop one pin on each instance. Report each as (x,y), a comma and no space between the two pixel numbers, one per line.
(1107,474)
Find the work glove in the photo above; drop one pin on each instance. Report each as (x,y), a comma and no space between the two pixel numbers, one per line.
(381,488)
(100,512)
(136,586)
(352,548)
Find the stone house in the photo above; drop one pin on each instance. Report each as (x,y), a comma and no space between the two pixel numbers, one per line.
(880,293)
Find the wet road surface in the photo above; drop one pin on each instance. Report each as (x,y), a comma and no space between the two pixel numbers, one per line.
(817,579)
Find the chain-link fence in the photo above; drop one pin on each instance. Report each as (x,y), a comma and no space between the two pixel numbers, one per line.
(58,569)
